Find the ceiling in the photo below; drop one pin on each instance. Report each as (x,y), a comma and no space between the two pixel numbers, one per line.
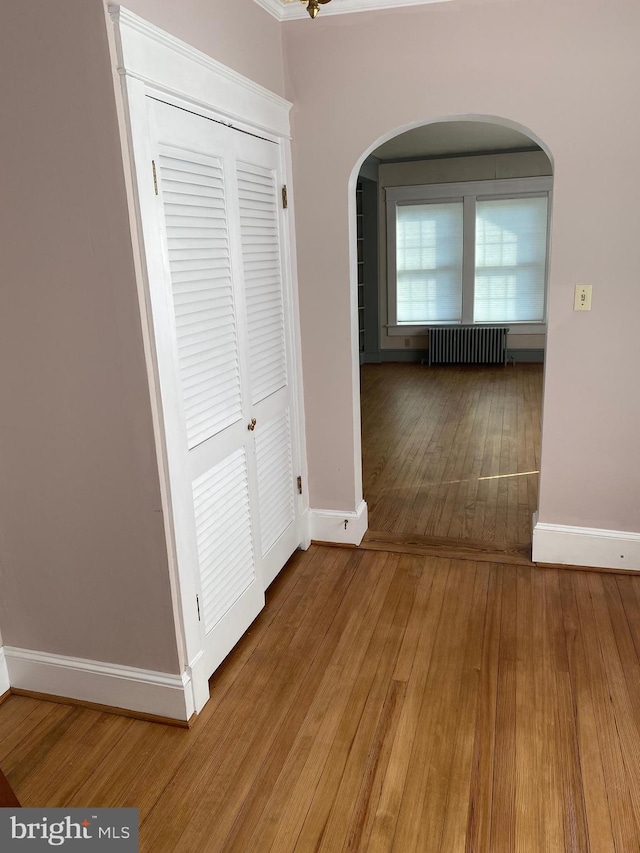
(450,138)
(285,11)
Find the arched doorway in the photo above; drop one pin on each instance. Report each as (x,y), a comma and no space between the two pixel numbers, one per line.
(451,451)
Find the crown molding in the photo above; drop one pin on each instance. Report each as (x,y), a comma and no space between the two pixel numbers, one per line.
(292,11)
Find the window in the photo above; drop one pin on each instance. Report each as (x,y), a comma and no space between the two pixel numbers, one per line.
(468,253)
(429,262)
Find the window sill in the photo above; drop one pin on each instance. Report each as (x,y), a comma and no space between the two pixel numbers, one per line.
(407,329)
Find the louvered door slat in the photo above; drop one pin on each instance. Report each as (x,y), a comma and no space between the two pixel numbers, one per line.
(194,204)
(192,196)
(181,246)
(263,286)
(269,364)
(201,224)
(190,164)
(256,266)
(214,259)
(270,358)
(188,305)
(195,312)
(266,289)
(201,323)
(223,547)
(264,323)
(257,178)
(201,363)
(196,238)
(188,188)
(191,384)
(262,278)
(275,479)
(206,260)
(200,342)
(200,401)
(261,259)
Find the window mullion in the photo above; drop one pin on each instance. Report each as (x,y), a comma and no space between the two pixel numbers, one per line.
(392,272)
(468,257)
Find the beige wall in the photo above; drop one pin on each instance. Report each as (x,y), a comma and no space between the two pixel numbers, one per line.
(568,72)
(82,555)
(487,167)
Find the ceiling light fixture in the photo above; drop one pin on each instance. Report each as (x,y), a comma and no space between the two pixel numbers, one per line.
(313,6)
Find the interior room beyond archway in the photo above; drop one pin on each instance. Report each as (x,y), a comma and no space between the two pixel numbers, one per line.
(452,247)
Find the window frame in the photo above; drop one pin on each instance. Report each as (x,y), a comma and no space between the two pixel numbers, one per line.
(467,192)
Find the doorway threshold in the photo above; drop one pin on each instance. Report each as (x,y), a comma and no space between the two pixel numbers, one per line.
(455,549)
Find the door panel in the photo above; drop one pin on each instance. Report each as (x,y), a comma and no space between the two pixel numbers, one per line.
(195,215)
(224,536)
(275,480)
(268,350)
(263,279)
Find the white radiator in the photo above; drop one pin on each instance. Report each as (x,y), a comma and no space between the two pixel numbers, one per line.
(468,345)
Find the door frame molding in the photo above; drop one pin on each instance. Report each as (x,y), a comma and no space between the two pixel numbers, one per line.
(152,62)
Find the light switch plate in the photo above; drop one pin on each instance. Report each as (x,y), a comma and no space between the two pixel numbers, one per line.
(582,299)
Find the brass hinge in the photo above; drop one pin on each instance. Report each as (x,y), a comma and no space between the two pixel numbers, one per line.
(155,177)
(198,606)
(285,201)
(299,481)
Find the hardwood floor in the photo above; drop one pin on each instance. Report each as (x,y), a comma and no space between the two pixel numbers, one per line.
(381,702)
(452,452)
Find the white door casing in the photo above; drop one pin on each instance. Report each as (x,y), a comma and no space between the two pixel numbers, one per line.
(232,514)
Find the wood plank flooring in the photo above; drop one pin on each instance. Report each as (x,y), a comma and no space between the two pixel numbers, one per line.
(452,452)
(381,702)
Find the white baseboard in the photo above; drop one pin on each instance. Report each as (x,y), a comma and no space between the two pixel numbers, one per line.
(148,692)
(5,684)
(197,686)
(585,546)
(305,527)
(328,525)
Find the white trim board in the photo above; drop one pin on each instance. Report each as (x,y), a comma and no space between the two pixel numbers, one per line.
(328,525)
(5,684)
(176,70)
(585,546)
(148,692)
(291,11)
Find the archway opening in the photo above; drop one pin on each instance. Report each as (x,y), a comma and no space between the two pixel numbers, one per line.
(450,279)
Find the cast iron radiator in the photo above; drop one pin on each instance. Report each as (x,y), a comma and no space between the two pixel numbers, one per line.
(468,345)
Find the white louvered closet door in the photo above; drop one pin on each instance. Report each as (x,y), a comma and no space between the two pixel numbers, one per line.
(271,399)
(220,314)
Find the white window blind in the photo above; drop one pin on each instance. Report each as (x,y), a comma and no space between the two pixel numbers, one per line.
(429,262)
(471,252)
(511,250)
